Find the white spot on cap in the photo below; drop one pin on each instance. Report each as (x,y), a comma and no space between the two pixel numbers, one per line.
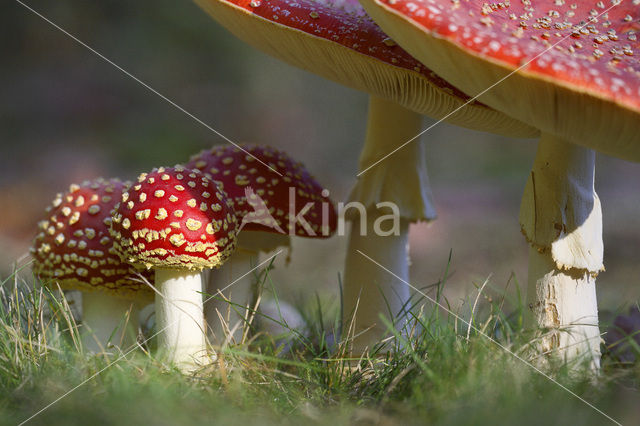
(75,217)
(143,214)
(177,240)
(389,42)
(193,225)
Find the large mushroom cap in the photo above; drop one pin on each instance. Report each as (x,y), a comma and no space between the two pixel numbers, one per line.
(337,40)
(575,64)
(271,175)
(74,249)
(174,218)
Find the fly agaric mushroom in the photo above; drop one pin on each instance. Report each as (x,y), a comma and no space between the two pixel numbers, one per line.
(571,69)
(274,197)
(337,40)
(177,222)
(74,250)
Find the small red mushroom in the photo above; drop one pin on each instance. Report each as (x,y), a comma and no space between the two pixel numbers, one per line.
(571,69)
(298,204)
(177,222)
(274,198)
(74,250)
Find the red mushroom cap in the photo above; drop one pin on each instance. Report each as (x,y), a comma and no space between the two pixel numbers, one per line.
(74,248)
(238,170)
(338,40)
(584,54)
(344,22)
(175,218)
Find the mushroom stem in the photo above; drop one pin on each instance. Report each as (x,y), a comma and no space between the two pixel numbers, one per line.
(564,303)
(561,218)
(400,178)
(236,277)
(371,291)
(179,317)
(108,321)
(401,183)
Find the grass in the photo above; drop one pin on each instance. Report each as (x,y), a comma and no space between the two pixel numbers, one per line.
(440,376)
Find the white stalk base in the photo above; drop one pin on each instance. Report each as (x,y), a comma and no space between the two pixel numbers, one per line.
(108,322)
(561,218)
(180,324)
(564,303)
(370,290)
(226,321)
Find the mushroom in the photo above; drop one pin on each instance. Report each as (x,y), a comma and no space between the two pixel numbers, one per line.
(339,41)
(177,222)
(571,69)
(274,198)
(74,250)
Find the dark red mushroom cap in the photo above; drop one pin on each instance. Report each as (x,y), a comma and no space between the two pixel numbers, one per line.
(575,63)
(337,40)
(74,249)
(238,170)
(174,218)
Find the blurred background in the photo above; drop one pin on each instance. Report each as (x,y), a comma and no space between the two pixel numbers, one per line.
(66,115)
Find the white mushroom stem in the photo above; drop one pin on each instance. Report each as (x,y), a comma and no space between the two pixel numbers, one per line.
(180,324)
(561,218)
(564,302)
(108,321)
(236,281)
(370,290)
(398,180)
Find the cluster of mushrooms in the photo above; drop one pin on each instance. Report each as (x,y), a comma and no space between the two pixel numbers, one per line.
(565,71)
(121,243)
